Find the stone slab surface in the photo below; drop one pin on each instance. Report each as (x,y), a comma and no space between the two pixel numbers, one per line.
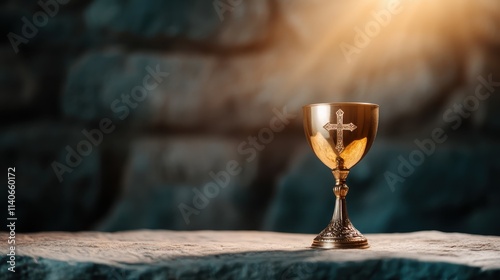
(164,254)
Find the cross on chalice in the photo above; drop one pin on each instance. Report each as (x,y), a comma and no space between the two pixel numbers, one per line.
(340,126)
(340,146)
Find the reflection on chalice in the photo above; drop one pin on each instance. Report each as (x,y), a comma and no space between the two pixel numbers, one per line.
(340,135)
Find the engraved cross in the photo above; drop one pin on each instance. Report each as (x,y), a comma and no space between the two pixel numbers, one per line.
(340,127)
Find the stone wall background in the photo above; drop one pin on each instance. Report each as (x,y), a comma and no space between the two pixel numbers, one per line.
(231,74)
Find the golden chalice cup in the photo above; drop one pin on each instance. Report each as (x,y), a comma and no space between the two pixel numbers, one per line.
(340,135)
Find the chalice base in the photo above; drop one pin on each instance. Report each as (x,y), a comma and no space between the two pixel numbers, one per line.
(340,235)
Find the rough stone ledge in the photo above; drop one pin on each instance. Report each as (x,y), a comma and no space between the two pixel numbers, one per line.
(162,254)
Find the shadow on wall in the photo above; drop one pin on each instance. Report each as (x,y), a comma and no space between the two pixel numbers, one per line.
(187,114)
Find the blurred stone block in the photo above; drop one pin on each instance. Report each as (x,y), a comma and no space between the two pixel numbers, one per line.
(43,202)
(184,183)
(199,92)
(222,22)
(44,27)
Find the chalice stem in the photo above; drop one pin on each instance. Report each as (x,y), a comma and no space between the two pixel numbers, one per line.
(340,213)
(340,190)
(340,233)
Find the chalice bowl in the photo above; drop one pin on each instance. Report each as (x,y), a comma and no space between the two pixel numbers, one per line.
(340,135)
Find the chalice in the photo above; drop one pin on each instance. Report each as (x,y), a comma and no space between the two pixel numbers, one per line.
(340,135)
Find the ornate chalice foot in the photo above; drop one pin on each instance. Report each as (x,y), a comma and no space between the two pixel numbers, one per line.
(340,233)
(340,236)
(324,127)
